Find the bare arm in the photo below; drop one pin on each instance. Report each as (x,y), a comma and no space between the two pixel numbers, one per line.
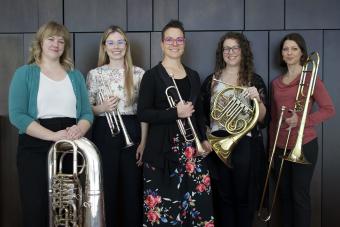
(38,131)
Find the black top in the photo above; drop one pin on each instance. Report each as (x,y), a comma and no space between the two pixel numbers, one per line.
(258,154)
(153,108)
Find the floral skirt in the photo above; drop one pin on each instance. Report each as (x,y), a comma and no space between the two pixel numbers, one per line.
(180,196)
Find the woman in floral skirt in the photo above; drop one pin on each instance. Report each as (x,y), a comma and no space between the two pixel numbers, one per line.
(177,189)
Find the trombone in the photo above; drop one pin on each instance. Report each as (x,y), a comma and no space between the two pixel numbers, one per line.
(189,134)
(301,105)
(115,125)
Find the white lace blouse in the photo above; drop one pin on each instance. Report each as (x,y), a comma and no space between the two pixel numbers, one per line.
(111,82)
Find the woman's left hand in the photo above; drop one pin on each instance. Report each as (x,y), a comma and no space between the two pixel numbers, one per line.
(252,92)
(74,132)
(207,146)
(139,154)
(293,120)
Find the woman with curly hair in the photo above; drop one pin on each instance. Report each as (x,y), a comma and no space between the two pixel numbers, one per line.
(236,187)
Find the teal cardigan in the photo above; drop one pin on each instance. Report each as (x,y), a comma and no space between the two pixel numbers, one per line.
(23,93)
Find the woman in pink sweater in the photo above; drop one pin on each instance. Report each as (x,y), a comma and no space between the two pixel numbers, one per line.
(296,178)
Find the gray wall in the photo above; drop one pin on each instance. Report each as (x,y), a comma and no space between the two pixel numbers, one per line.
(264,22)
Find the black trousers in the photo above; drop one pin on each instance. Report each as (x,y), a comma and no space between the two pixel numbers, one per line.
(295,187)
(32,170)
(122,177)
(231,187)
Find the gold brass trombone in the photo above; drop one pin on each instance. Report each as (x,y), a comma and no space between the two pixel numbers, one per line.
(232,111)
(115,124)
(301,105)
(188,132)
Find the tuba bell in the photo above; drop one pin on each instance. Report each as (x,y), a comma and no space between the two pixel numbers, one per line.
(233,112)
(75,196)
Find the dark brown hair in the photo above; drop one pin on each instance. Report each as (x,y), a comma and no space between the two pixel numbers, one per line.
(246,66)
(300,41)
(173,24)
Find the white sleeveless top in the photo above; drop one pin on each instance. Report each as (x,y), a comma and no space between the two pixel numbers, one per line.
(56,98)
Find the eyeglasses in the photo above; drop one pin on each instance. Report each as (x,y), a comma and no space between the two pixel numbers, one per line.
(234,49)
(171,41)
(119,43)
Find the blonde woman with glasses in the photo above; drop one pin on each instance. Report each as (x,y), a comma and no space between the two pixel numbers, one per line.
(118,80)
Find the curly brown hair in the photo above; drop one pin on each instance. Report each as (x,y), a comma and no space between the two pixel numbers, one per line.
(246,66)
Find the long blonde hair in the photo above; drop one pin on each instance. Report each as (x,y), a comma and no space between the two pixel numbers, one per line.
(47,30)
(104,59)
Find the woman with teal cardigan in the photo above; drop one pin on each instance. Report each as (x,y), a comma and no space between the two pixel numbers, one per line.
(48,101)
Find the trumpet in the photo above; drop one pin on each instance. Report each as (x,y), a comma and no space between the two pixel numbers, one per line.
(301,105)
(188,133)
(115,125)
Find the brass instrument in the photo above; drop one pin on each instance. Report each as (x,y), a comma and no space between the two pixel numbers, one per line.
(231,110)
(75,198)
(188,133)
(111,117)
(301,105)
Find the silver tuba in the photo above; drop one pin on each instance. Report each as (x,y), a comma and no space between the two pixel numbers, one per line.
(75,198)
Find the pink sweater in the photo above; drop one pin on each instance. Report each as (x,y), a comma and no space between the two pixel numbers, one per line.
(284,95)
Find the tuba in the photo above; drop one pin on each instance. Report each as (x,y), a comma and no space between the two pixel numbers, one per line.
(186,128)
(115,124)
(75,196)
(296,155)
(232,111)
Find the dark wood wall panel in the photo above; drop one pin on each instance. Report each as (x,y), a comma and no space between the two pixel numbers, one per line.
(86,51)
(28,37)
(315,14)
(331,141)
(91,16)
(140,49)
(212,14)
(163,11)
(155,51)
(259,45)
(10,215)
(201,59)
(264,14)
(263,22)
(18,16)
(139,15)
(50,10)
(11,46)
